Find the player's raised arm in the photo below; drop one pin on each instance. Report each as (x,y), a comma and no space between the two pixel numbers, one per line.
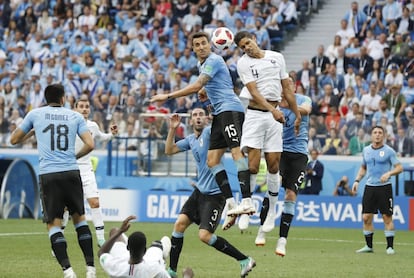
(170,146)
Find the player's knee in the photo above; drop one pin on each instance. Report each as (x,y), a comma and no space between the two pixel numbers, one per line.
(367,218)
(204,236)
(93,202)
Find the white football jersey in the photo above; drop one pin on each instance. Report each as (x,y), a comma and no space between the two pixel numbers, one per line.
(84,162)
(267,72)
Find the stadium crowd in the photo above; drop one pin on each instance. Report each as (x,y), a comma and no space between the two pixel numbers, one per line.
(120,53)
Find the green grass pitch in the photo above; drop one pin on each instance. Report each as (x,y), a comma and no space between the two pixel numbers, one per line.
(311,252)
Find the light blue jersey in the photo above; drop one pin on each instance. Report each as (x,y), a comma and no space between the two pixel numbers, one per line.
(56,129)
(220,87)
(199,146)
(291,142)
(378,162)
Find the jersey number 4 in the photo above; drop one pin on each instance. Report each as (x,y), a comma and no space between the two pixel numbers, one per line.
(58,137)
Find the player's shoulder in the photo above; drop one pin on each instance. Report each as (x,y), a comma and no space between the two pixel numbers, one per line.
(273,54)
(91,124)
(302,99)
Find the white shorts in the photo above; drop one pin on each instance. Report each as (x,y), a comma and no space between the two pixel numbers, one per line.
(90,187)
(262,131)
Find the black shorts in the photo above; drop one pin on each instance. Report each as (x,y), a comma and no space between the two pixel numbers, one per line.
(292,169)
(378,198)
(204,210)
(60,190)
(226,130)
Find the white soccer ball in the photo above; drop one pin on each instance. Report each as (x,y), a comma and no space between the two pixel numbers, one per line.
(222,38)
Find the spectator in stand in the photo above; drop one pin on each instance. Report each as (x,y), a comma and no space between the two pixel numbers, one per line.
(383,112)
(315,93)
(221,10)
(357,143)
(288,13)
(391,11)
(350,129)
(376,47)
(341,62)
(392,33)
(327,100)
(356,19)
(394,77)
(332,50)
(403,145)
(350,77)
(370,103)
(408,64)
(370,8)
(378,24)
(191,20)
(376,73)
(400,49)
(304,75)
(336,81)
(364,62)
(205,11)
(405,23)
(355,109)
(408,91)
(333,118)
(320,62)
(347,101)
(345,33)
(333,144)
(314,143)
(396,103)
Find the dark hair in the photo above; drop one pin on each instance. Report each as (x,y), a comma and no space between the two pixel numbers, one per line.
(241,35)
(137,243)
(200,35)
(54,93)
(378,126)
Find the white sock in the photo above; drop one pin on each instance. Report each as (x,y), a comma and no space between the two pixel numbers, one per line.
(253,182)
(98,223)
(273,185)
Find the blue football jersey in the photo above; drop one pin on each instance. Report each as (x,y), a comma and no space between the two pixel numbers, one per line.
(220,86)
(56,129)
(199,146)
(291,142)
(378,162)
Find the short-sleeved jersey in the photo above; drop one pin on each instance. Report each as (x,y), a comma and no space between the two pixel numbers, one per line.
(56,129)
(220,86)
(378,162)
(119,267)
(291,142)
(199,146)
(85,161)
(267,72)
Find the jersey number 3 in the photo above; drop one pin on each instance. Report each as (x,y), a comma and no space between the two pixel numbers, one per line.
(58,137)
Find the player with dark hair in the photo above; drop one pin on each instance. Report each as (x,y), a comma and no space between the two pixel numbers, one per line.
(206,203)
(263,72)
(122,256)
(292,167)
(379,163)
(215,83)
(56,128)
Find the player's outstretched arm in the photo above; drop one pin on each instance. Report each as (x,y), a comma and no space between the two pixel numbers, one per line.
(107,246)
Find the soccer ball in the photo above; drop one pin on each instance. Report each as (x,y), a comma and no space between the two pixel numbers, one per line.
(222,38)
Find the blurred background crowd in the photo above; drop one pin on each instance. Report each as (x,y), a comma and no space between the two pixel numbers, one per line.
(121,52)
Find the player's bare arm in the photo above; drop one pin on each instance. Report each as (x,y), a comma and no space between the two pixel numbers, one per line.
(106,247)
(398,168)
(170,147)
(18,136)
(188,90)
(262,103)
(88,144)
(361,174)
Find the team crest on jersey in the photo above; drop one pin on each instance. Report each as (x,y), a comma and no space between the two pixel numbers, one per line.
(382,153)
(273,61)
